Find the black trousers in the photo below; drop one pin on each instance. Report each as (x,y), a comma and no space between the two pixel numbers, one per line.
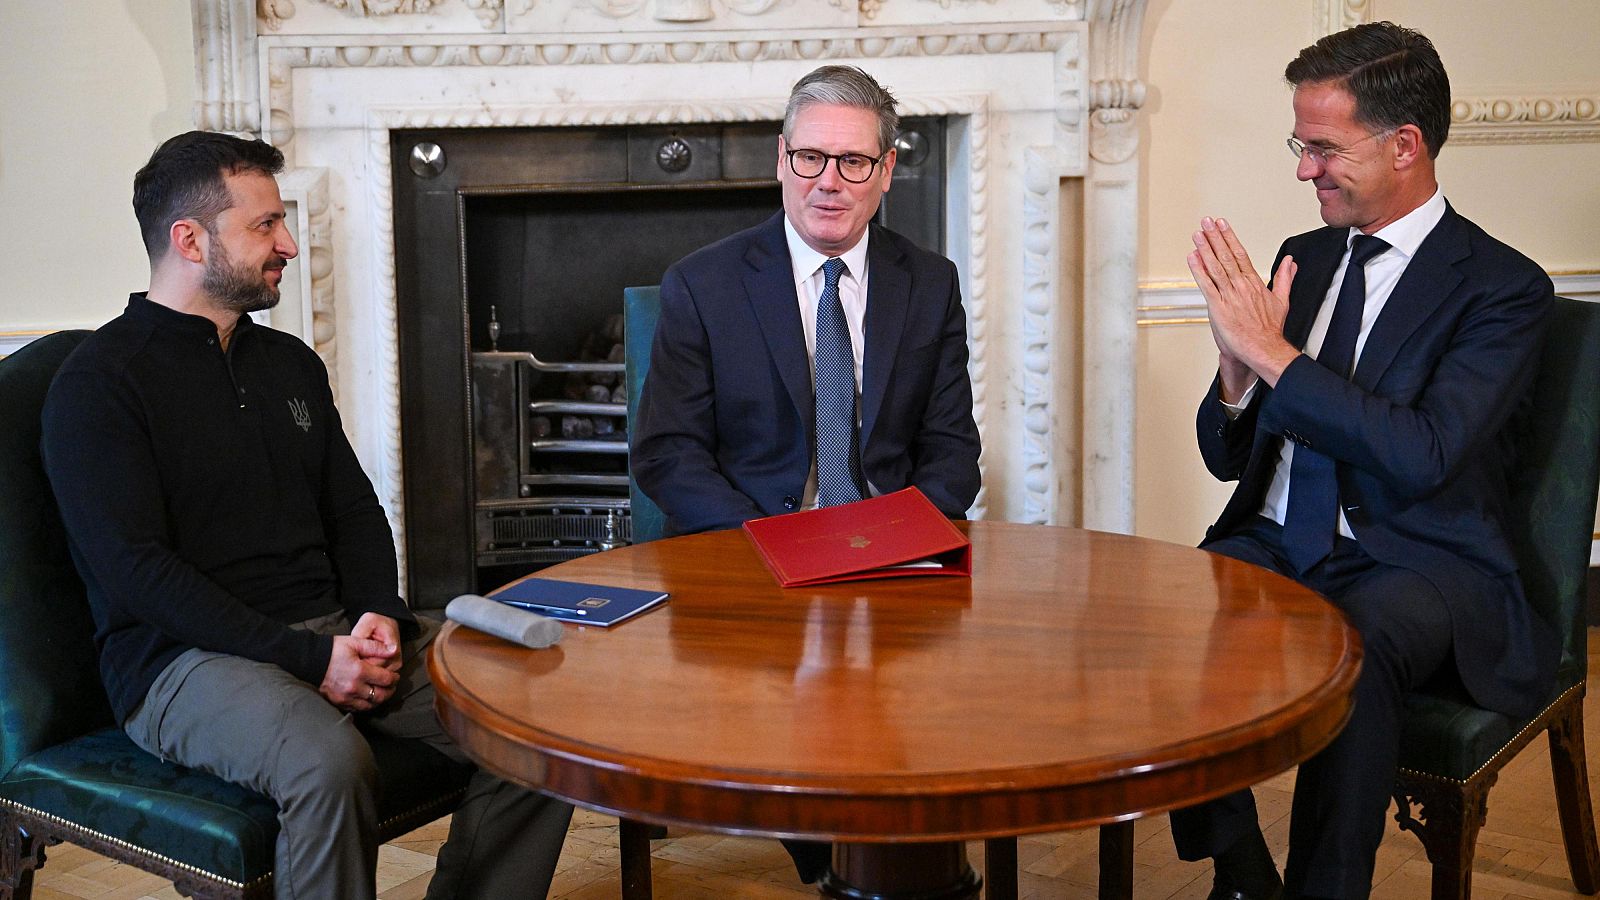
(1342,794)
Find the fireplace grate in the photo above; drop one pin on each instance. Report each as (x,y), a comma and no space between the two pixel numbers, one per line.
(551,530)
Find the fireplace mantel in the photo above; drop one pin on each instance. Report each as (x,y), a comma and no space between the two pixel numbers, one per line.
(1042,197)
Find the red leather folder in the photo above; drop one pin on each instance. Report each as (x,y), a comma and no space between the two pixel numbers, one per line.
(893,535)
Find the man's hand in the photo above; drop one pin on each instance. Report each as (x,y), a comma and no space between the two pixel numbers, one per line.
(358,679)
(382,637)
(1246,317)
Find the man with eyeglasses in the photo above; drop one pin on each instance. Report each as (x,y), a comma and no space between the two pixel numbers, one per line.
(1363,402)
(817,358)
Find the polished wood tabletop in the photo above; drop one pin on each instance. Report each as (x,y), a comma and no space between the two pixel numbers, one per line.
(1076,678)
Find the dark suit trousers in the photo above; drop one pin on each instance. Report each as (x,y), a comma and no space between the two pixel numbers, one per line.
(1341,794)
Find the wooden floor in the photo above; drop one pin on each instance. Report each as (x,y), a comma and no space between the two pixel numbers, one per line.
(1519,853)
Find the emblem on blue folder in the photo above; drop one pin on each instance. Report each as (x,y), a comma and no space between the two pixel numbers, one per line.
(592,602)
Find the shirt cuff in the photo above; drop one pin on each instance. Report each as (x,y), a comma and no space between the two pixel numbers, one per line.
(1234,410)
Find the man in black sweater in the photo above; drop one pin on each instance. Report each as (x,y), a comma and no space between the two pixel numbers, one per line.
(240,570)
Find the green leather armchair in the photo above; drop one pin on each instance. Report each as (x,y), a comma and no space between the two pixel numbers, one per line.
(1451,752)
(67,773)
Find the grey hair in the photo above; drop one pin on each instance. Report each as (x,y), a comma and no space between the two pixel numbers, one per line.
(844,86)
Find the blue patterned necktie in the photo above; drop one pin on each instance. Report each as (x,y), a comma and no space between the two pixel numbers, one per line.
(836,395)
(1312,514)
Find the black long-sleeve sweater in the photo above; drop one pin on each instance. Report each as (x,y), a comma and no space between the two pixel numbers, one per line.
(211,498)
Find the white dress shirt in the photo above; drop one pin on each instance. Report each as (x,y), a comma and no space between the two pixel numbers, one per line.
(808,283)
(1404,235)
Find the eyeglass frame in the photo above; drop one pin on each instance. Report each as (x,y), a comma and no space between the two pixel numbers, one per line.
(837,160)
(1319,155)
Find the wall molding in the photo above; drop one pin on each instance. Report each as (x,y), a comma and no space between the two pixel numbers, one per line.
(1180,303)
(1534,118)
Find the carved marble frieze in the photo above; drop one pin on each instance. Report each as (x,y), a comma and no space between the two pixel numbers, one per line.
(285,55)
(924,12)
(378,16)
(611,16)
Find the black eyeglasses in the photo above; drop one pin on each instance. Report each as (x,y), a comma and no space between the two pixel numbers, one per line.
(853,167)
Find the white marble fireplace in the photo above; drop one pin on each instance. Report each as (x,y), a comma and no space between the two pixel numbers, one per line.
(1042,97)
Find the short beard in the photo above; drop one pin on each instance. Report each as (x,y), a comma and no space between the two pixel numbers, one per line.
(236,288)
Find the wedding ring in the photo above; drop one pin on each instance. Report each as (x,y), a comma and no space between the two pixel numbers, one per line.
(371,692)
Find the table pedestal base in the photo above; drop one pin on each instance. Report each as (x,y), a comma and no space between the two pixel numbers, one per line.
(900,872)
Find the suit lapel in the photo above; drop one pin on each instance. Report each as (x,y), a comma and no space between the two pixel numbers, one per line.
(1429,278)
(769,286)
(888,304)
(1311,285)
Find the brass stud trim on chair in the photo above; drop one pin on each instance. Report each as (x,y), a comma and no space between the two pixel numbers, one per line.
(73,829)
(1513,746)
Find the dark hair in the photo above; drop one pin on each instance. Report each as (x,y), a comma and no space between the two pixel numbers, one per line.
(844,86)
(184,180)
(1394,74)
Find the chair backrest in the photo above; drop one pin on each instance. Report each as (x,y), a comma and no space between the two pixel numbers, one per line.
(1554,482)
(50,687)
(641,307)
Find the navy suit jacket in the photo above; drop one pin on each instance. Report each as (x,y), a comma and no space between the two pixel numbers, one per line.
(726,418)
(1421,436)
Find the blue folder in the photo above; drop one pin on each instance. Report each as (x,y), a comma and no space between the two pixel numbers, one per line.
(575,601)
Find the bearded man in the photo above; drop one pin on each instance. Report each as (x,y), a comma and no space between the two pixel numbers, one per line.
(239,569)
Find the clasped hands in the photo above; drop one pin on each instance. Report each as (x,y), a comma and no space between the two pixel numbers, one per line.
(365,665)
(1246,316)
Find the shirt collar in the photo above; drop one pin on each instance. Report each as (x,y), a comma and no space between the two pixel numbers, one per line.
(141,306)
(1408,232)
(807,261)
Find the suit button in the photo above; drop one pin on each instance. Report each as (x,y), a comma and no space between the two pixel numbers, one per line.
(790,503)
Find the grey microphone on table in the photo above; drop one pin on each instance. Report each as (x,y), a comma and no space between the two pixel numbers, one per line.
(516,625)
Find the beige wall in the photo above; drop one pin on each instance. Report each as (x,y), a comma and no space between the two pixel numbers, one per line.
(1216,119)
(87,90)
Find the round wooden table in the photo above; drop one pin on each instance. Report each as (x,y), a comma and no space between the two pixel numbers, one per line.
(1077,678)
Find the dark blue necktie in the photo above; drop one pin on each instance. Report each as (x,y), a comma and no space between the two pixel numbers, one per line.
(1312,515)
(836,395)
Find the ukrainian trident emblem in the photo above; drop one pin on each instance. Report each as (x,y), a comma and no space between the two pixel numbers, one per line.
(302,416)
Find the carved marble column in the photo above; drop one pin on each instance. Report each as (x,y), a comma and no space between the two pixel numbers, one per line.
(1110,280)
(226,83)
